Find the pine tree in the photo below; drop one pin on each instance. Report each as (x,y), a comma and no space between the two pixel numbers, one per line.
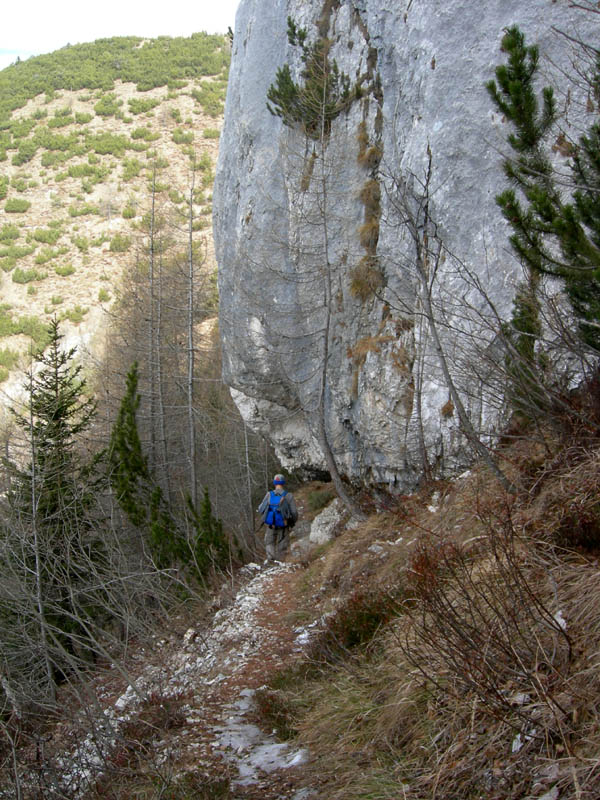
(129,474)
(50,503)
(320,97)
(550,236)
(58,413)
(136,491)
(211,548)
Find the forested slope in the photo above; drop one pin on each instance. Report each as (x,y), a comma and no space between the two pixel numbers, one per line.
(118,435)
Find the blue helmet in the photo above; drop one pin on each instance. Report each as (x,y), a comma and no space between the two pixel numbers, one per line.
(278,480)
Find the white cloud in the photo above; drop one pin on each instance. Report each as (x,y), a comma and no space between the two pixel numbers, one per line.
(38,26)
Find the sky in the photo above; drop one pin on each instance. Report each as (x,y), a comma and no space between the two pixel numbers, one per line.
(32,27)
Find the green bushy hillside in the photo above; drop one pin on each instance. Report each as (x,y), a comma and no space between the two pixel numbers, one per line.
(85,133)
(97,65)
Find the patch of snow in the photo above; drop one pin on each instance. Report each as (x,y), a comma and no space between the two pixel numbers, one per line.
(304,634)
(246,747)
(251,568)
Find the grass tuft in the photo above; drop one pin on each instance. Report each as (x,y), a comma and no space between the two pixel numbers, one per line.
(366,278)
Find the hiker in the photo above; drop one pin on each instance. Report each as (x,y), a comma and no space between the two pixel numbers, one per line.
(279,514)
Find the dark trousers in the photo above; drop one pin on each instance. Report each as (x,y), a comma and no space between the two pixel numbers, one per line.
(277,541)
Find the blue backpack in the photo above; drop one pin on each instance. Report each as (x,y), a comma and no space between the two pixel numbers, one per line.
(274,517)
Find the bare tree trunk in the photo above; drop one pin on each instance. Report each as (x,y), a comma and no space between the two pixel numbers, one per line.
(419,230)
(159,383)
(332,466)
(426,466)
(190,348)
(151,328)
(39,588)
(248,483)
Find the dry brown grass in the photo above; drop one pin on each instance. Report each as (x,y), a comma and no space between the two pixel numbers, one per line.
(370,157)
(369,234)
(565,504)
(366,278)
(362,138)
(485,682)
(370,196)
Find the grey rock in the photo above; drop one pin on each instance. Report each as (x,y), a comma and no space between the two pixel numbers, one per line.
(324,524)
(300,542)
(424,93)
(552,794)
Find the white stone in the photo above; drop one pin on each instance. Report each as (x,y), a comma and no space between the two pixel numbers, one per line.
(553,794)
(560,620)
(323,525)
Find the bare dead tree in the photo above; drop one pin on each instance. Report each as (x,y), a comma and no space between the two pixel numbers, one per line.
(409,200)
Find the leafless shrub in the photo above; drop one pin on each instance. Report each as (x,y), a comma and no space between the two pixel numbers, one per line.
(481,624)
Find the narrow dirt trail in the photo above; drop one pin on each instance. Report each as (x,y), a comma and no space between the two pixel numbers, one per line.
(212,672)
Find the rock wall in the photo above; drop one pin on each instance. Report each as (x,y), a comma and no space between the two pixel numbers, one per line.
(321,306)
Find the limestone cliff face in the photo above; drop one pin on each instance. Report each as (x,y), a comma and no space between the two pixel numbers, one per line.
(321,305)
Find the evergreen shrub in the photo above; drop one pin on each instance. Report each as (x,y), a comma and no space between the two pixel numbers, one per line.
(145,133)
(182,137)
(27,149)
(131,168)
(8,263)
(19,183)
(13,251)
(81,243)
(9,233)
(16,205)
(108,105)
(65,270)
(27,275)
(75,314)
(120,243)
(82,211)
(47,235)
(139,105)
(60,122)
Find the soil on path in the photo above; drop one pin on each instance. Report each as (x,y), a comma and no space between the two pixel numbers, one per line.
(203,679)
